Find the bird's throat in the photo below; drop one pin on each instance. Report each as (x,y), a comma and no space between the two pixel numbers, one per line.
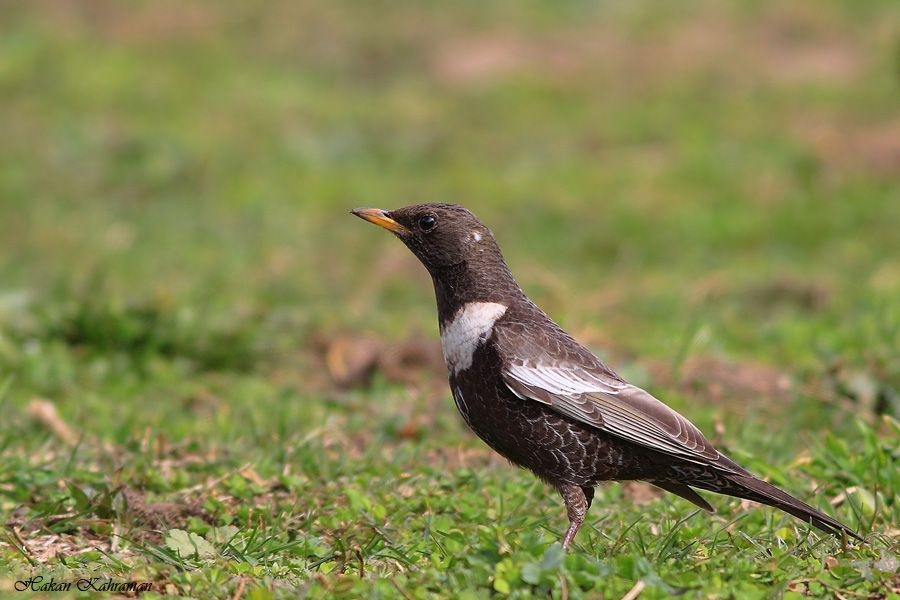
(458,285)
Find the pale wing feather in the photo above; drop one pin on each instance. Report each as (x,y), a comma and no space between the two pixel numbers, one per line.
(620,408)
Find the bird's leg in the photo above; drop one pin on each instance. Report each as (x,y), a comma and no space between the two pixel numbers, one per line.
(577,503)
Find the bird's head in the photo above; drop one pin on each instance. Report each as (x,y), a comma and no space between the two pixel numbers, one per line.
(440,235)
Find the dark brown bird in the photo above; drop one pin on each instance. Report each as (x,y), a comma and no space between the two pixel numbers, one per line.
(544,401)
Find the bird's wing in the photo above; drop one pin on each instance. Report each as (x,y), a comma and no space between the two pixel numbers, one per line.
(550,367)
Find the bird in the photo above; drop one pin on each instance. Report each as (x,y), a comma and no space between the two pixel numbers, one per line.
(544,401)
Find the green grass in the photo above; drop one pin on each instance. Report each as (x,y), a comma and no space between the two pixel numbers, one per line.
(707,184)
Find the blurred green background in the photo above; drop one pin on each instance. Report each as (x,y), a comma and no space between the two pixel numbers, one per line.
(651,171)
(680,185)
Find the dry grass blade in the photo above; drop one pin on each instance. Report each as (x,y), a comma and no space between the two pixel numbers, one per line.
(46,414)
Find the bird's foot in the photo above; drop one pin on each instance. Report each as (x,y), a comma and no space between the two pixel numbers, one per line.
(577,504)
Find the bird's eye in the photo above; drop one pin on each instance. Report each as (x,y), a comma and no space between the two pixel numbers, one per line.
(427,222)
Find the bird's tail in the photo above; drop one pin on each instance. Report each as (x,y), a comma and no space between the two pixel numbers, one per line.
(749,487)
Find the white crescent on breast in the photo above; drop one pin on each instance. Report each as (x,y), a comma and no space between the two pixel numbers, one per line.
(470,327)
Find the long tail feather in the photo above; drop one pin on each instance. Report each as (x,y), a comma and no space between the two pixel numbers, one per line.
(757,490)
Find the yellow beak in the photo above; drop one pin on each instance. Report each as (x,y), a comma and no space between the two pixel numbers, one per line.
(380,218)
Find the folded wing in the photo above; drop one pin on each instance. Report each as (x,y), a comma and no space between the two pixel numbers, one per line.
(568,378)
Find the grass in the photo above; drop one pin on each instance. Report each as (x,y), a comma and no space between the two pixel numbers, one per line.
(707,194)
